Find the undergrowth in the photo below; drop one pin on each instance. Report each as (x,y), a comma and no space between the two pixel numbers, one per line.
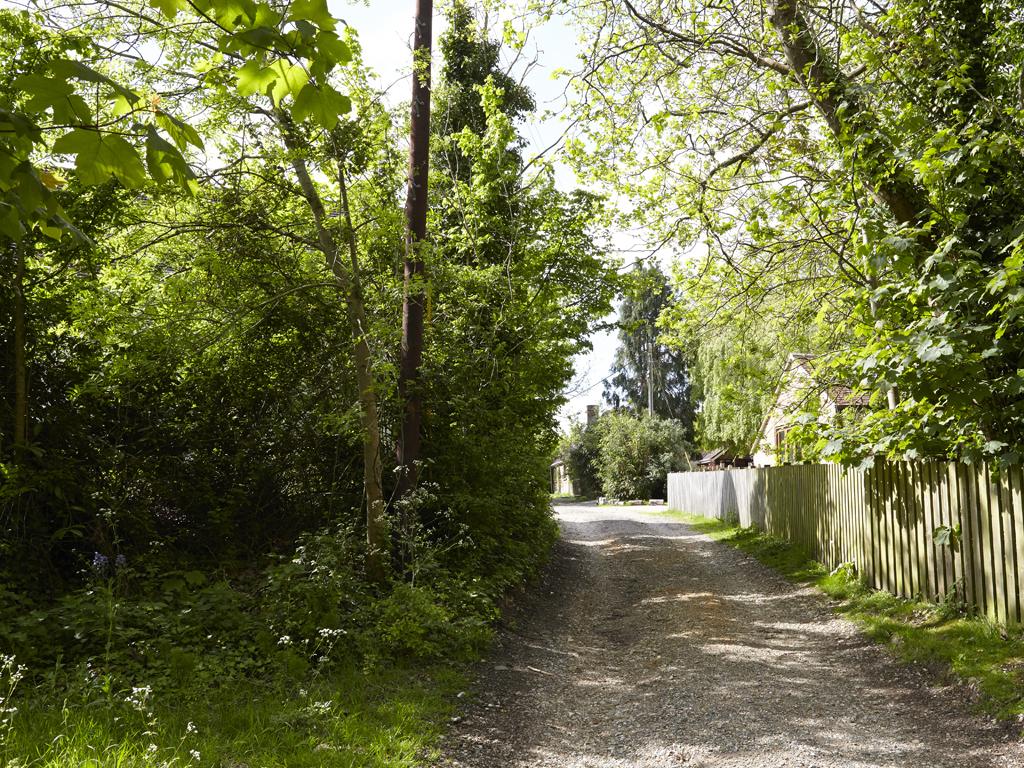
(299,664)
(987,657)
(350,717)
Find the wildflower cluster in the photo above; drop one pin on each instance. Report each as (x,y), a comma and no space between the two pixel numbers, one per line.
(101,565)
(11,674)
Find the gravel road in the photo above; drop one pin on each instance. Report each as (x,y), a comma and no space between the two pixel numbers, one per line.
(650,645)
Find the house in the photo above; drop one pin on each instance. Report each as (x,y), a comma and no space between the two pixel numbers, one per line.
(561,483)
(798,389)
(721,458)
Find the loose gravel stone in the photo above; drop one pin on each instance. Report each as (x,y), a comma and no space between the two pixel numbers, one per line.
(650,645)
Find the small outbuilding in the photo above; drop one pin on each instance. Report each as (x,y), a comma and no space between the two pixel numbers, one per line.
(722,458)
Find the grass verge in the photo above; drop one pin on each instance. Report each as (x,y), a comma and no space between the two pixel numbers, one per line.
(988,658)
(388,717)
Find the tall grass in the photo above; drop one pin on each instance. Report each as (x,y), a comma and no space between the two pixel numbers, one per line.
(371,719)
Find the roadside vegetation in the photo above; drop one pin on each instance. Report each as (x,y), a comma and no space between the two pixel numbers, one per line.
(278,397)
(211,552)
(987,658)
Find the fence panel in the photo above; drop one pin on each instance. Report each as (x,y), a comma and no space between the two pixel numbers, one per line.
(883,519)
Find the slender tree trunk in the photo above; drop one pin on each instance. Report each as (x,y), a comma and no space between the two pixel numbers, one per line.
(408,452)
(377,538)
(378,545)
(20,357)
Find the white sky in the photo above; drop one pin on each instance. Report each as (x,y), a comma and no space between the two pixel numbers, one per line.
(385,30)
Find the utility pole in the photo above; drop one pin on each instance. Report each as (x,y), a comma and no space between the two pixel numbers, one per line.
(414,301)
(650,372)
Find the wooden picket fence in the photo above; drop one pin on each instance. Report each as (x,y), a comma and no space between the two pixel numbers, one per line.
(883,520)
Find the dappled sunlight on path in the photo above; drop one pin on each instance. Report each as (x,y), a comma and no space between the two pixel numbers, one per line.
(651,645)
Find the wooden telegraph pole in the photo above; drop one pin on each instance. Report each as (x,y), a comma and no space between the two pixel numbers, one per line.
(415,236)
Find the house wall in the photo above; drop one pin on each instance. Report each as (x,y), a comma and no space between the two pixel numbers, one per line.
(561,483)
(791,393)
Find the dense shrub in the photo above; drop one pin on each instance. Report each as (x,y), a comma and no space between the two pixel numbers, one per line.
(184,630)
(580,450)
(637,453)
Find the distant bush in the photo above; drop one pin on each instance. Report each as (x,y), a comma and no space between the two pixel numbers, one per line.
(637,453)
(579,450)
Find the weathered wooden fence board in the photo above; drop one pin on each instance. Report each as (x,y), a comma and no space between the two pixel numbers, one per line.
(883,520)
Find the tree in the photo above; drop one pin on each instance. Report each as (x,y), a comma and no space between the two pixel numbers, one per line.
(518,279)
(271,69)
(851,171)
(414,292)
(637,453)
(580,449)
(469,60)
(648,375)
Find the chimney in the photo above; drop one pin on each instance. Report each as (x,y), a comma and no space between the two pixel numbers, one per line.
(593,411)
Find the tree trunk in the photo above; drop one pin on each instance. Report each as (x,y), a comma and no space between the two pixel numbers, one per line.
(408,452)
(20,357)
(847,117)
(378,545)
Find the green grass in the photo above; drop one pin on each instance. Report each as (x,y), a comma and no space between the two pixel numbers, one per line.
(990,659)
(390,717)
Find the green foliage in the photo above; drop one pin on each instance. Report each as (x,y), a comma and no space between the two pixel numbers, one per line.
(470,59)
(868,209)
(446,621)
(385,718)
(518,277)
(637,453)
(185,513)
(580,450)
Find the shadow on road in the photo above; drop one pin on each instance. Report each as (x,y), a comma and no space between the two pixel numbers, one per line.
(651,645)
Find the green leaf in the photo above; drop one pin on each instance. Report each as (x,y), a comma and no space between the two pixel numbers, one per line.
(10,222)
(290,79)
(54,233)
(68,68)
(168,8)
(100,156)
(321,105)
(259,37)
(315,11)
(45,92)
(165,162)
(231,14)
(306,30)
(76,110)
(929,351)
(32,193)
(945,536)
(252,78)
(333,49)
(18,124)
(180,132)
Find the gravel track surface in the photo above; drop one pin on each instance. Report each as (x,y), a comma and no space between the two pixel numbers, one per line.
(650,645)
